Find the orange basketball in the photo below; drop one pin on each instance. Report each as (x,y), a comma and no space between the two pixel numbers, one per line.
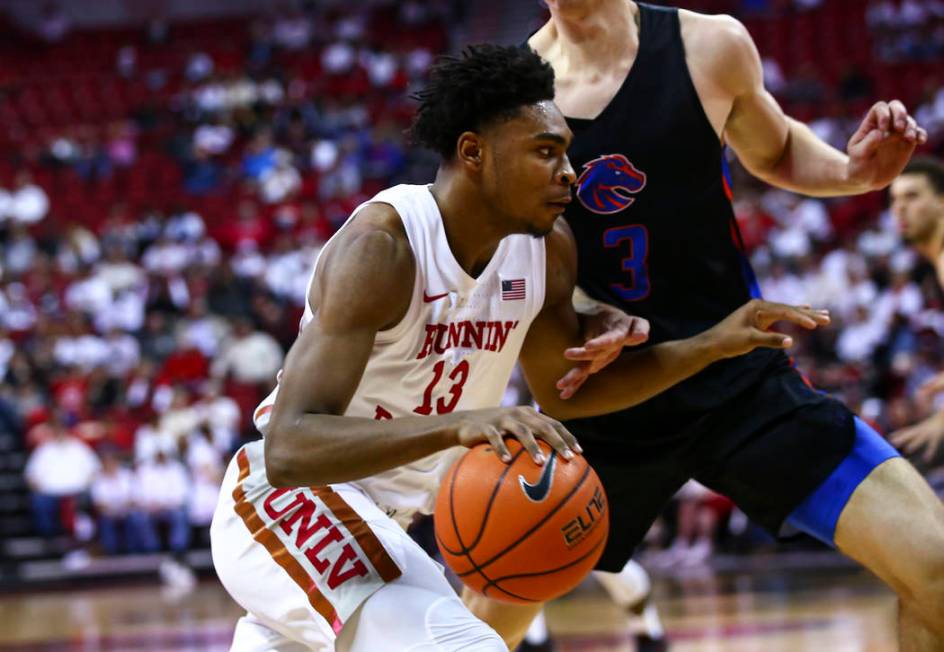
(520,532)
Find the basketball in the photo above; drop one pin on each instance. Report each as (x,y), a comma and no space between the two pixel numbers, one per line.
(520,532)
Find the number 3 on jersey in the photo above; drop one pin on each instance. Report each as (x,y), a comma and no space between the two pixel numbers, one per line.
(636,236)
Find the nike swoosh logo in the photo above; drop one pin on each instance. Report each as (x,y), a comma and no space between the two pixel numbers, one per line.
(436,297)
(538,491)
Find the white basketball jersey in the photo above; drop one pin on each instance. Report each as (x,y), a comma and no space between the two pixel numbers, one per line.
(453,350)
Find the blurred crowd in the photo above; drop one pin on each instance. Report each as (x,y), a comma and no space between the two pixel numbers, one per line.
(134,347)
(907,29)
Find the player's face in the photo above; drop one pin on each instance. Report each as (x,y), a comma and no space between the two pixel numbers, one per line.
(527,177)
(917,208)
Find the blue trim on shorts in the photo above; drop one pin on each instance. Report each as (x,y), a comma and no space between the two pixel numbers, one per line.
(819,513)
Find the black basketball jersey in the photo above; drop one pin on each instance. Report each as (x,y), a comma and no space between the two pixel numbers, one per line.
(655,230)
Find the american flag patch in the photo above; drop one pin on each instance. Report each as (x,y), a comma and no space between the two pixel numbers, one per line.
(513,290)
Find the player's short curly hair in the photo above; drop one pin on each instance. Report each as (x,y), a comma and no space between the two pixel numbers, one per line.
(485,83)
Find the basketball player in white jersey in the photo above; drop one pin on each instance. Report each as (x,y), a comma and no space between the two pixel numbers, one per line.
(418,309)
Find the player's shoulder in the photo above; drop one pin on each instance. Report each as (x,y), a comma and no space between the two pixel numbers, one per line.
(725,29)
(720,42)
(368,266)
(375,234)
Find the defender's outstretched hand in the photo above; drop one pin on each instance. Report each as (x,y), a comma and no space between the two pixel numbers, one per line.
(607,332)
(927,434)
(748,327)
(883,144)
(932,387)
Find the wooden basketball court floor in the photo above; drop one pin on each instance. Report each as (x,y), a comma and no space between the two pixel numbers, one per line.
(822,610)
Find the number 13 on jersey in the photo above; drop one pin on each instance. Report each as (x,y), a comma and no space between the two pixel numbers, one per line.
(635,237)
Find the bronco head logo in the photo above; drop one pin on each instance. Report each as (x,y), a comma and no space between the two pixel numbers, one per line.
(606,184)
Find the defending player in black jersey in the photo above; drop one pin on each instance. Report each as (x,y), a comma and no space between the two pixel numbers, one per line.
(651,95)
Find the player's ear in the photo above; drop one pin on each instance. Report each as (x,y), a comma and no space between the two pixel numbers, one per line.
(469,150)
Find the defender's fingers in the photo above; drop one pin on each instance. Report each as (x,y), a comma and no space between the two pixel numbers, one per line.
(583,353)
(899,115)
(578,374)
(771,340)
(603,361)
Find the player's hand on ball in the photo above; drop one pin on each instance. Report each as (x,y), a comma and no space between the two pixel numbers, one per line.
(748,327)
(524,423)
(928,434)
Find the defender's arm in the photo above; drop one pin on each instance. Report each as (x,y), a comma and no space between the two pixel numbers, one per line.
(782,151)
(637,375)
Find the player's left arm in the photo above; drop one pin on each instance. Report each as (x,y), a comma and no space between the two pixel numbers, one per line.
(785,152)
(637,375)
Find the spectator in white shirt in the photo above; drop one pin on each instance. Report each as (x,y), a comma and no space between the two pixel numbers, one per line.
(221,414)
(250,357)
(783,285)
(17,312)
(292,31)
(124,353)
(901,297)
(166,257)
(20,250)
(161,489)
(202,330)
(149,439)
(88,293)
(60,468)
(28,202)
(77,249)
(206,471)
(126,312)
(213,138)
(80,347)
(117,272)
(860,337)
(185,226)
(180,419)
(112,497)
(280,182)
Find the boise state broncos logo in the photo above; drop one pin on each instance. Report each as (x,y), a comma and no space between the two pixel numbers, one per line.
(607,184)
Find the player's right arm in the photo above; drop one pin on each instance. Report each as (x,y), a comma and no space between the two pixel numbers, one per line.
(364,285)
(781,150)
